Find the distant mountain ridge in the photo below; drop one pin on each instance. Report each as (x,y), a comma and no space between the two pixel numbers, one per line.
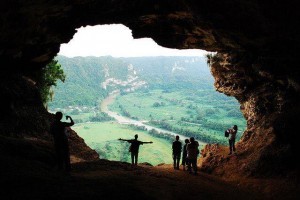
(173,72)
(90,79)
(194,67)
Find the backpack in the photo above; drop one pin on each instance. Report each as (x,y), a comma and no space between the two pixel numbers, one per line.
(227,133)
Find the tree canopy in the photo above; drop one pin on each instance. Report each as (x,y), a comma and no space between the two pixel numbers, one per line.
(49,77)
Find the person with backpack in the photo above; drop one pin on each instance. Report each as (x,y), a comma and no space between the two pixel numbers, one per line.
(134,148)
(192,154)
(232,136)
(184,154)
(57,129)
(176,148)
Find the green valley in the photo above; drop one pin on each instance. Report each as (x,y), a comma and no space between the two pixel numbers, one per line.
(172,95)
(103,137)
(202,114)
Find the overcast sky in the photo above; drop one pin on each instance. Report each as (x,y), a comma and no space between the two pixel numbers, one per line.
(116,40)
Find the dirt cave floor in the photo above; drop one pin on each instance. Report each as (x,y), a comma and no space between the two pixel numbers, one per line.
(116,180)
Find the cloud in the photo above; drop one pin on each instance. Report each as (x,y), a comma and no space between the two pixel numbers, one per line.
(116,40)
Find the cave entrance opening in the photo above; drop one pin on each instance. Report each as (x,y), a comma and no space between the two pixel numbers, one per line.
(117,86)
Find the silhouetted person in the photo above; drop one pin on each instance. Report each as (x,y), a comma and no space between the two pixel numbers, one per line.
(232,135)
(192,154)
(57,129)
(176,147)
(184,154)
(134,148)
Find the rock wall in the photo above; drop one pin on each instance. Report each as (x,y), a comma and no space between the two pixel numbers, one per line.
(22,111)
(257,44)
(270,103)
(24,116)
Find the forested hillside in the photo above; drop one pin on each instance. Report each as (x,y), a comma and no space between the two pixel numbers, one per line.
(84,78)
(173,72)
(90,79)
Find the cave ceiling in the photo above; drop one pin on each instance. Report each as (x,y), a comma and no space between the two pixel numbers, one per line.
(32,31)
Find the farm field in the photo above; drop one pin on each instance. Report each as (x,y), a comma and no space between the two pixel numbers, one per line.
(195,113)
(103,137)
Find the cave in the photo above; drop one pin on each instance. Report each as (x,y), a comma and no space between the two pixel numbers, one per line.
(256,62)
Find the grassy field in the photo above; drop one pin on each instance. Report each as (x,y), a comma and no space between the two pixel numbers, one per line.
(103,137)
(204,112)
(141,105)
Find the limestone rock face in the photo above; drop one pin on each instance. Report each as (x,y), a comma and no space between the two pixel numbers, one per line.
(257,44)
(270,103)
(79,150)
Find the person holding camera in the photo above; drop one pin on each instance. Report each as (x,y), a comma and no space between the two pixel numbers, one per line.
(232,136)
(57,129)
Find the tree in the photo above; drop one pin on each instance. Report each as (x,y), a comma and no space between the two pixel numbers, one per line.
(48,78)
(156,104)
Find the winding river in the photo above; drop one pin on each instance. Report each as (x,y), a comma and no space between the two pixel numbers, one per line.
(124,120)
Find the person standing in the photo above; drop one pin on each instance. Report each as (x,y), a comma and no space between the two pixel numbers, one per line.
(134,148)
(184,154)
(176,147)
(192,154)
(57,129)
(232,136)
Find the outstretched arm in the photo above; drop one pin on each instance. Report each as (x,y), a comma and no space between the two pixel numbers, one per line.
(147,142)
(123,139)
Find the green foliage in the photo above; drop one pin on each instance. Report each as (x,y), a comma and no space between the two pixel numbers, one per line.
(49,76)
(85,75)
(234,113)
(100,117)
(173,73)
(212,58)
(158,104)
(203,114)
